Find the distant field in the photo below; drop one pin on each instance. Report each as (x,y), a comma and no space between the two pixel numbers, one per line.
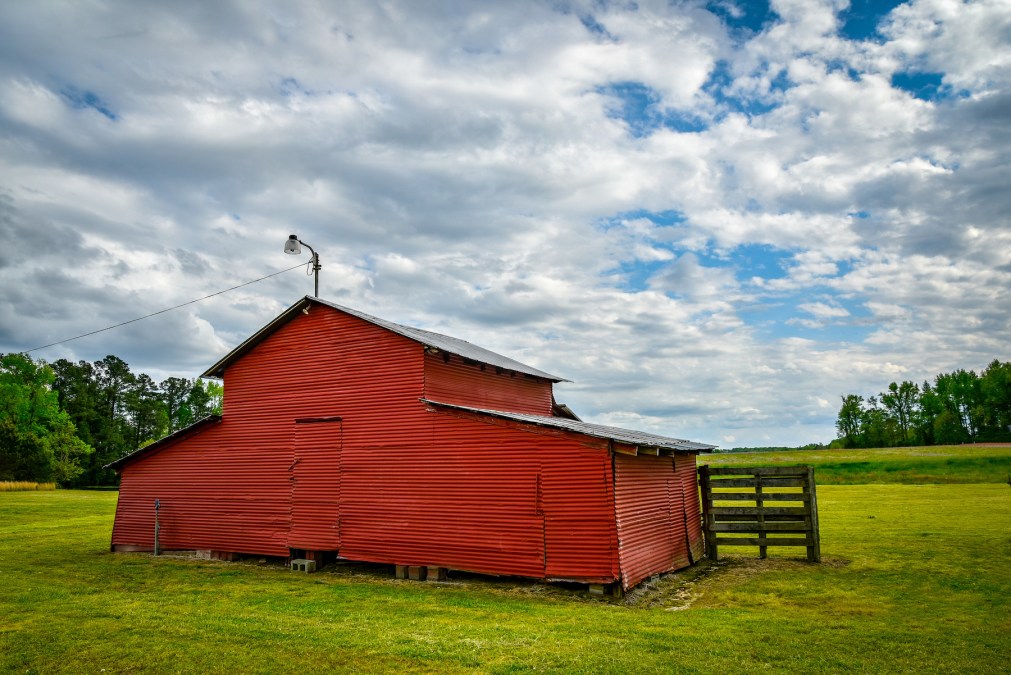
(910,466)
(913,579)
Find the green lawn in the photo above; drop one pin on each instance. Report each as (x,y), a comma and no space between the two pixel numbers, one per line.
(914,578)
(910,466)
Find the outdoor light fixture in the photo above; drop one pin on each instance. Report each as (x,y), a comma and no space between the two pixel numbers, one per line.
(294,246)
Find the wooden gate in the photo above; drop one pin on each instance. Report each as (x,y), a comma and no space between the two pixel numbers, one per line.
(771,506)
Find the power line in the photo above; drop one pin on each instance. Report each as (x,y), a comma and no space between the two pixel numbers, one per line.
(148,316)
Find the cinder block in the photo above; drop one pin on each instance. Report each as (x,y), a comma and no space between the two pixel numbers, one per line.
(416,572)
(437,574)
(401,571)
(597,589)
(303,565)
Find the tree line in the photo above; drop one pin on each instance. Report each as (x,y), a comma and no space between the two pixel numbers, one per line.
(959,407)
(64,421)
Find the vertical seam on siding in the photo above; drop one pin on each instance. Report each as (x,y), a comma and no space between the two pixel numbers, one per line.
(610,484)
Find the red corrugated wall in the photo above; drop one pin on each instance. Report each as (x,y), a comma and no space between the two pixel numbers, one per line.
(483,386)
(650,510)
(229,488)
(214,494)
(483,497)
(686,469)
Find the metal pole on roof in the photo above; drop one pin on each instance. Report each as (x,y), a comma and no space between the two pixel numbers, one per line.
(293,247)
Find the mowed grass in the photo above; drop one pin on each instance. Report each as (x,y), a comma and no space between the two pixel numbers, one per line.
(914,578)
(910,466)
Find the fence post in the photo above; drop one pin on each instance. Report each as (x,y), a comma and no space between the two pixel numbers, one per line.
(814,550)
(707,516)
(763,551)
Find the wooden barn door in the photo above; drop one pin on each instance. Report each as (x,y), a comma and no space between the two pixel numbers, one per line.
(315,485)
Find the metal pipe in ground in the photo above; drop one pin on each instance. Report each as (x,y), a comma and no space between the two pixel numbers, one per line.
(157,527)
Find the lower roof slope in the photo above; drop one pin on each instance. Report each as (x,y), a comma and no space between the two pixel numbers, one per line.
(639,438)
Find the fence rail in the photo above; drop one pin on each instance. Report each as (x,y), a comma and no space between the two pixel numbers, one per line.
(760,525)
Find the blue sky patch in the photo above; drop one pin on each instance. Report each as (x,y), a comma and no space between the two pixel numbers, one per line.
(860,21)
(742,16)
(82,99)
(924,86)
(760,260)
(782,317)
(639,107)
(667,218)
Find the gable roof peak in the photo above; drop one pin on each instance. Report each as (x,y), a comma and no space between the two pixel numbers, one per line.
(427,338)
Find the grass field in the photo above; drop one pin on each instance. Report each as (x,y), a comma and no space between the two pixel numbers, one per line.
(910,466)
(914,578)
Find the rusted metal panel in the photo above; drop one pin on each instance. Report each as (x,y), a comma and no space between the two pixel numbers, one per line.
(685,467)
(650,517)
(315,475)
(449,379)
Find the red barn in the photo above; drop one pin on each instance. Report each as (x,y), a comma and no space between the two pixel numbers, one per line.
(346,435)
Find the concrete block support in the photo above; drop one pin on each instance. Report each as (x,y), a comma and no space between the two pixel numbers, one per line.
(303,565)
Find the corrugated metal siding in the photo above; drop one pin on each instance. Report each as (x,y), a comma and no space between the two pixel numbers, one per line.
(481,385)
(214,495)
(230,490)
(686,469)
(484,498)
(578,502)
(650,516)
(315,476)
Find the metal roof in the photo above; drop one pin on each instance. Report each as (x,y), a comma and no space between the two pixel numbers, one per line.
(157,445)
(639,438)
(445,343)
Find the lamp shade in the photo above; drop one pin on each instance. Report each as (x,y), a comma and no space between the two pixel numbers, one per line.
(292,246)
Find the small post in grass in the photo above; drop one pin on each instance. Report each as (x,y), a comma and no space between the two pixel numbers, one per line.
(157,527)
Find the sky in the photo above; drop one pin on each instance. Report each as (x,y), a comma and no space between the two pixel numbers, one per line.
(714,218)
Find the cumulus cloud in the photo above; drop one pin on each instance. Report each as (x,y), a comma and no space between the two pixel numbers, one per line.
(713,231)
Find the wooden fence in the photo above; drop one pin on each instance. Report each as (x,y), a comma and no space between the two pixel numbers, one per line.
(794,509)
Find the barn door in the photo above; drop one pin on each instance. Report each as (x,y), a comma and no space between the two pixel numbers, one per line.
(315,485)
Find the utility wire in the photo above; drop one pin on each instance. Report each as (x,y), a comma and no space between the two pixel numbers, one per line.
(148,316)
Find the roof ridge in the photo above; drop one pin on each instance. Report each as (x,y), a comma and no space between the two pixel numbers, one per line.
(448,343)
